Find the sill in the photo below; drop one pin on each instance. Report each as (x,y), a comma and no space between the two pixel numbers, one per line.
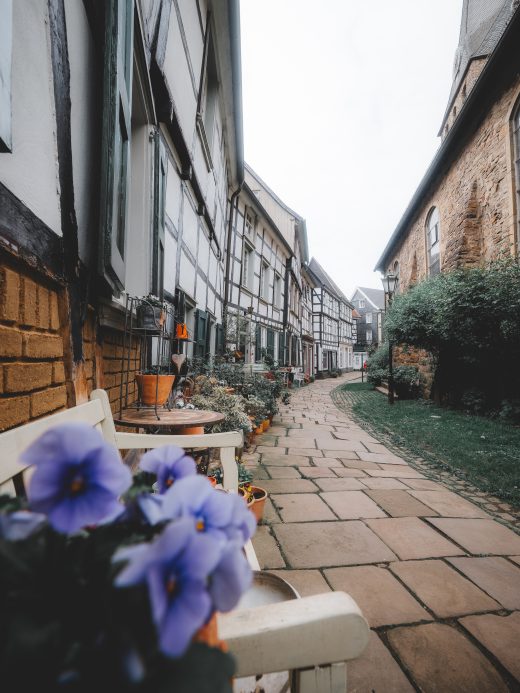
(204,141)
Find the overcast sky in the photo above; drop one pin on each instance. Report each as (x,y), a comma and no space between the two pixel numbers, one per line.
(342,104)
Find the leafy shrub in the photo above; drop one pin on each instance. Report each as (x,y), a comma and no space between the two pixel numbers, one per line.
(377,366)
(407,382)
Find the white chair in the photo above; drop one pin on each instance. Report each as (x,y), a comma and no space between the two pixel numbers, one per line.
(314,636)
(298,377)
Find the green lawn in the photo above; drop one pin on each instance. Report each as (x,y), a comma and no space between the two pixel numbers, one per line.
(482,451)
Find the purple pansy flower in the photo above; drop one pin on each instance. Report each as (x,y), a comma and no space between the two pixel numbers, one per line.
(176,567)
(78,477)
(169,464)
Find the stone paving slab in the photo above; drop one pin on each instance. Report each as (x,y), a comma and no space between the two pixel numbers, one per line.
(399,503)
(308,452)
(376,671)
(356,463)
(411,538)
(423,485)
(442,589)
(396,472)
(266,549)
(442,660)
(289,486)
(352,505)
(500,635)
(381,598)
(449,504)
(495,575)
(347,472)
(283,473)
(305,582)
(316,472)
(327,462)
(387,484)
(298,507)
(480,536)
(344,484)
(279,459)
(324,544)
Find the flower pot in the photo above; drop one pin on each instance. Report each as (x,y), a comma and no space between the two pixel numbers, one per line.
(212,480)
(150,317)
(259,430)
(265,424)
(154,389)
(192,430)
(259,498)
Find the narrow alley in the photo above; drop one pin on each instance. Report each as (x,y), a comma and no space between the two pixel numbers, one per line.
(435,576)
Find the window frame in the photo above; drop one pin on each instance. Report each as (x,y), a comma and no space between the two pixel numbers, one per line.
(433,265)
(247,267)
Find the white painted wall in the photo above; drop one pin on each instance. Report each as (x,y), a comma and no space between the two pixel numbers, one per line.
(31,171)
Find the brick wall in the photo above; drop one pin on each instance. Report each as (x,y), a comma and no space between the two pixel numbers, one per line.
(112,367)
(32,368)
(475,200)
(421,359)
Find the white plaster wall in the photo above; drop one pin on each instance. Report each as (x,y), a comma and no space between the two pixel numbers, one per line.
(178,78)
(31,171)
(190,222)
(170,260)
(187,275)
(83,117)
(173,194)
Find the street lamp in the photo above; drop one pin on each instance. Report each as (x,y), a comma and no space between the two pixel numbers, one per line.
(389,285)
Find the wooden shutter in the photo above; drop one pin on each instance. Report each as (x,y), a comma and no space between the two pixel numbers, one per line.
(281,349)
(201,322)
(115,152)
(258,343)
(6,46)
(159,192)
(270,342)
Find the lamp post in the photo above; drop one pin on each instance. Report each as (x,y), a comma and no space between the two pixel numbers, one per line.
(389,285)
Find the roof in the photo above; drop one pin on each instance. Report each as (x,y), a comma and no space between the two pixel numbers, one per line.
(323,278)
(482,24)
(355,314)
(375,296)
(501,68)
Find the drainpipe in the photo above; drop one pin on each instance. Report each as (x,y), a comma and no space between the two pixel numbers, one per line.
(233,204)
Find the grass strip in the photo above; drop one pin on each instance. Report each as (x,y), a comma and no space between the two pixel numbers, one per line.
(485,452)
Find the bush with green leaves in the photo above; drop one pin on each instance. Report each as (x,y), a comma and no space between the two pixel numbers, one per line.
(469,321)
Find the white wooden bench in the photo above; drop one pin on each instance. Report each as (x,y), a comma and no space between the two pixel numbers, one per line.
(314,635)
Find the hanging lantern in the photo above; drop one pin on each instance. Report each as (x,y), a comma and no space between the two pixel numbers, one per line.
(181,331)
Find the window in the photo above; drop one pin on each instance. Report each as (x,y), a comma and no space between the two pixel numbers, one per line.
(208,97)
(115,165)
(368,336)
(433,241)
(249,225)
(6,39)
(248,266)
(368,318)
(516,132)
(277,291)
(264,281)
(361,303)
(160,172)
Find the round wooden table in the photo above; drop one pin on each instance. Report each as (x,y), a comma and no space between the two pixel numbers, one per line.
(180,421)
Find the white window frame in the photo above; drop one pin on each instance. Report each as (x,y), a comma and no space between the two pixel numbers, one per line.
(248,266)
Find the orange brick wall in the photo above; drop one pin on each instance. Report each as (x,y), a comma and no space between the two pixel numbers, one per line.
(112,368)
(32,369)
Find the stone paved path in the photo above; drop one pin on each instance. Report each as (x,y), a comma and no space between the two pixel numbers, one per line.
(436,577)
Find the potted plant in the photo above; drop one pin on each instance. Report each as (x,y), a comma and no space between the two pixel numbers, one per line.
(150,313)
(98,574)
(154,385)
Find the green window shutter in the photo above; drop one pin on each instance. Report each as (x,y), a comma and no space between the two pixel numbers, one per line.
(281,349)
(201,321)
(6,45)
(159,192)
(270,342)
(115,153)
(219,340)
(258,343)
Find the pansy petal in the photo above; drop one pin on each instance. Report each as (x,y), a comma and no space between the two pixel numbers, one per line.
(187,496)
(173,539)
(71,514)
(151,506)
(231,578)
(200,556)
(67,443)
(108,470)
(159,598)
(135,571)
(186,614)
(218,509)
(20,524)
(165,455)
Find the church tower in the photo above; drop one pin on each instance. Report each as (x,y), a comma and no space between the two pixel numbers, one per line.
(482,24)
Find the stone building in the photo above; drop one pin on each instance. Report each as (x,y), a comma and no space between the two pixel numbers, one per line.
(466,209)
(120,151)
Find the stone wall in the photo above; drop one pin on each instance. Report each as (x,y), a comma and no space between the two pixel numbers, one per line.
(475,199)
(420,359)
(32,362)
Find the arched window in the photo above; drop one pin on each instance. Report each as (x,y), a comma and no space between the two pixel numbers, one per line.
(516,135)
(433,239)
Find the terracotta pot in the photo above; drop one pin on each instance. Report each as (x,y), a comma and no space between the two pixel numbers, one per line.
(212,480)
(208,634)
(154,389)
(191,430)
(265,424)
(259,496)
(259,430)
